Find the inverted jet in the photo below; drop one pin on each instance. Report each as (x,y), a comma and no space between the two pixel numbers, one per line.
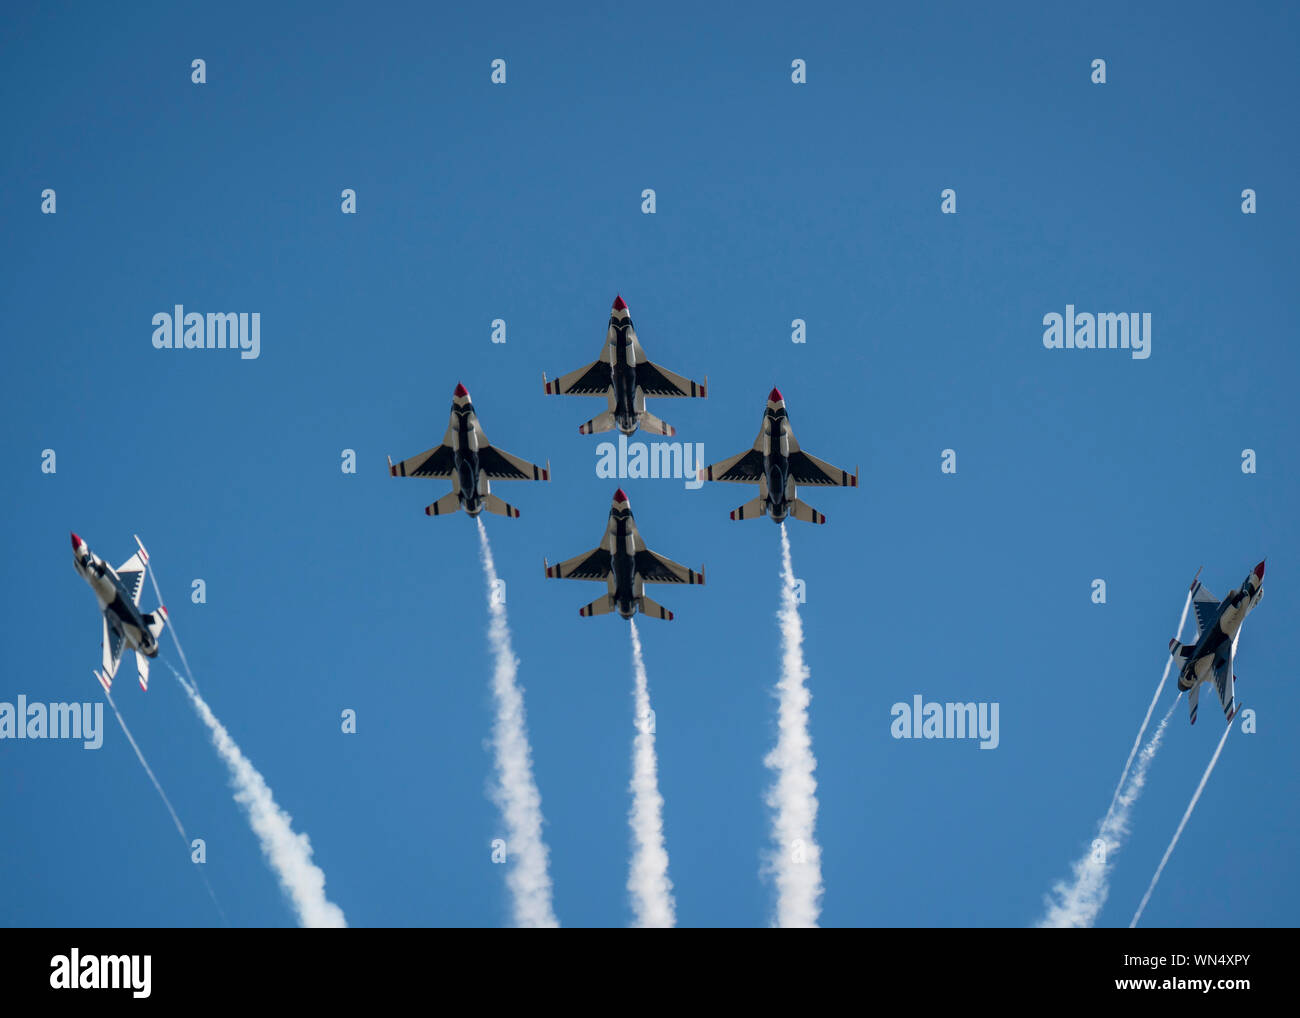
(469,460)
(125,626)
(625,376)
(1218,628)
(625,564)
(777,464)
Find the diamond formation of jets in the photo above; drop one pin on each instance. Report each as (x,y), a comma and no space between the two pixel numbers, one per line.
(1218,628)
(469,460)
(777,464)
(125,626)
(625,376)
(624,563)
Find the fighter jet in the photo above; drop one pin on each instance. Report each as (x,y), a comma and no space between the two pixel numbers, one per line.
(623,562)
(125,626)
(624,375)
(776,465)
(1218,628)
(469,459)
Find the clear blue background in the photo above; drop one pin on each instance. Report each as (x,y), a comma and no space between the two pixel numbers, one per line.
(328,591)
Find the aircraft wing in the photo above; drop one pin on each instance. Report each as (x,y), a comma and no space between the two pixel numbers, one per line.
(502,466)
(656,569)
(743,468)
(131,573)
(593,380)
(1224,683)
(112,650)
(440,461)
(660,382)
(807,469)
(1205,606)
(590,565)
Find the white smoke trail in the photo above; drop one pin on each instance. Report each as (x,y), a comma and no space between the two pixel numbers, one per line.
(795,858)
(648,881)
(288,853)
(1182,619)
(1078,903)
(166,802)
(1183,823)
(515,792)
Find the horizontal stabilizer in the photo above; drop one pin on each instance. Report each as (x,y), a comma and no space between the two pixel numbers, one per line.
(600,606)
(155,621)
(751,510)
(449,503)
(653,609)
(104,680)
(502,508)
(142,667)
(649,422)
(603,422)
(801,510)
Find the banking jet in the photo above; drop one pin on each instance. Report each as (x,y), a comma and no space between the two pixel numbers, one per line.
(1218,628)
(125,626)
(623,562)
(469,460)
(624,375)
(776,464)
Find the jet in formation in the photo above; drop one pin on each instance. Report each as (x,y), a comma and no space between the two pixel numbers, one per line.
(623,562)
(125,626)
(624,375)
(469,460)
(776,464)
(1218,628)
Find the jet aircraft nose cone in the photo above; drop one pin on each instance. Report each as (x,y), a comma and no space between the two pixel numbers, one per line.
(76,542)
(619,305)
(1259,570)
(461,390)
(620,496)
(775,396)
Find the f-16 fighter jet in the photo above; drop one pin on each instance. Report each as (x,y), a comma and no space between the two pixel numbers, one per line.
(125,626)
(776,465)
(1218,628)
(469,459)
(623,562)
(624,375)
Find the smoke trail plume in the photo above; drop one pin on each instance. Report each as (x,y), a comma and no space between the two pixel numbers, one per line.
(648,881)
(288,853)
(1183,823)
(1078,903)
(1182,619)
(795,858)
(515,793)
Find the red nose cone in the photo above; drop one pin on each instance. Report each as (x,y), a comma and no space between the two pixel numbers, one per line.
(775,396)
(619,305)
(461,390)
(619,496)
(76,542)
(1259,570)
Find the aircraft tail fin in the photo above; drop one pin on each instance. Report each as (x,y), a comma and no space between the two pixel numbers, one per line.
(751,510)
(449,503)
(142,668)
(502,508)
(602,422)
(653,609)
(801,510)
(649,422)
(155,621)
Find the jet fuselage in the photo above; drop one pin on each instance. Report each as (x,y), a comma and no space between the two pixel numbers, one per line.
(469,480)
(627,590)
(1215,644)
(622,367)
(121,613)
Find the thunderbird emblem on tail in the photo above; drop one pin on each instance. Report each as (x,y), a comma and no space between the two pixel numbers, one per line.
(777,464)
(468,459)
(1218,628)
(623,562)
(125,626)
(625,377)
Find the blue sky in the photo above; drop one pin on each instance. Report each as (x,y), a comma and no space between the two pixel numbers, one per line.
(328,591)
